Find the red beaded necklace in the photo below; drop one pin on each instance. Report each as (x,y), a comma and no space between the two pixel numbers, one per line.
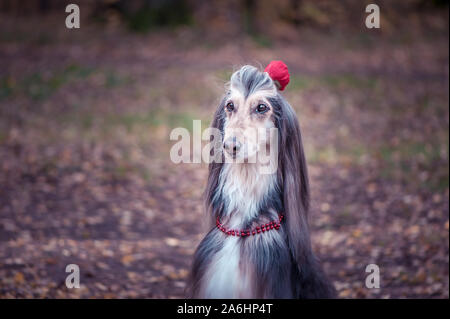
(275,224)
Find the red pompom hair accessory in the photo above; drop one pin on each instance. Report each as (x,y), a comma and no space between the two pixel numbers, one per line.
(279,73)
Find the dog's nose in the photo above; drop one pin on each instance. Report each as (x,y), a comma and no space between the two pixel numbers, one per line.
(232,145)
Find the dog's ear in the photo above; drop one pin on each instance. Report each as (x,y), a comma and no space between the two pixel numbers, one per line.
(212,202)
(293,176)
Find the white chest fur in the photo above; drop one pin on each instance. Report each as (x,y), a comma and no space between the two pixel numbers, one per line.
(227,276)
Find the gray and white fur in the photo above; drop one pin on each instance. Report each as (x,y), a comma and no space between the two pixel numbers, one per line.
(275,264)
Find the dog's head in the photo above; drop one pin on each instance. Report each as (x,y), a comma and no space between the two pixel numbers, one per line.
(248,113)
(252,103)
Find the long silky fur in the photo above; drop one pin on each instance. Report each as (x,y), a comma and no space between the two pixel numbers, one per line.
(282,263)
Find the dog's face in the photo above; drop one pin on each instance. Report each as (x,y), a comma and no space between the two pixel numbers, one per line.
(247,123)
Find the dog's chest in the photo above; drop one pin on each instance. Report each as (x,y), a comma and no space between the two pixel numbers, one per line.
(228,274)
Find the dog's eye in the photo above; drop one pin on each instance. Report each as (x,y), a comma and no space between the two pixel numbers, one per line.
(262,108)
(230,106)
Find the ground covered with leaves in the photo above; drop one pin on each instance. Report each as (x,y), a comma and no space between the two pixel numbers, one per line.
(86,176)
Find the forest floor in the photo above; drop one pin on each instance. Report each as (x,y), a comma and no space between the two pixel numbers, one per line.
(86,177)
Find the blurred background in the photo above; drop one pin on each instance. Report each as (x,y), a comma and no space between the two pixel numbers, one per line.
(85,117)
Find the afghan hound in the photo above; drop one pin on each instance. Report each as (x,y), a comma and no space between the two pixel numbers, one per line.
(259,244)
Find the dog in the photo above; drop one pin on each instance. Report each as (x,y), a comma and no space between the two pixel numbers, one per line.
(259,244)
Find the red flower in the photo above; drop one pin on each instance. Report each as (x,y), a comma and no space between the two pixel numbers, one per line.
(279,73)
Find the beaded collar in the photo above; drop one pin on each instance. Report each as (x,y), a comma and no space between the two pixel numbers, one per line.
(275,224)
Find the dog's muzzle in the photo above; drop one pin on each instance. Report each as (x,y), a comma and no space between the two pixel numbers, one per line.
(232,146)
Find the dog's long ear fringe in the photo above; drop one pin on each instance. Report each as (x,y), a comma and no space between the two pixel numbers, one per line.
(293,176)
(212,202)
